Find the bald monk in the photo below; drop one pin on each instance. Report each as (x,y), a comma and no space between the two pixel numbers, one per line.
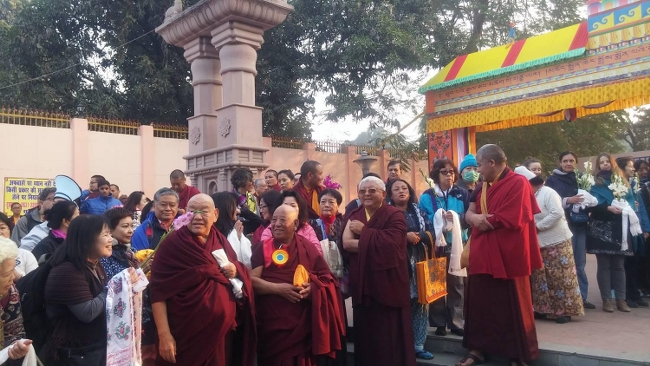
(375,242)
(504,250)
(299,325)
(199,320)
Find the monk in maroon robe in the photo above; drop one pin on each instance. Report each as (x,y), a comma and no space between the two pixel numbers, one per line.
(375,241)
(309,186)
(503,252)
(185,192)
(298,325)
(200,321)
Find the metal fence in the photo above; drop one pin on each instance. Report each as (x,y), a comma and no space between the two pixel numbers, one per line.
(23,117)
(287,143)
(170,131)
(113,126)
(330,146)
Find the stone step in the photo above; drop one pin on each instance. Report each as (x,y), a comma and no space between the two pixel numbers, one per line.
(449,350)
(550,354)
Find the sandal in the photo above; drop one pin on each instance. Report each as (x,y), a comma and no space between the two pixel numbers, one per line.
(474,358)
(423,355)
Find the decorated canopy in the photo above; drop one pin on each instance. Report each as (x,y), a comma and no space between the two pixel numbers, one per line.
(593,67)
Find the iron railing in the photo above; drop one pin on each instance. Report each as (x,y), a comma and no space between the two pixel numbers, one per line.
(35,118)
(113,126)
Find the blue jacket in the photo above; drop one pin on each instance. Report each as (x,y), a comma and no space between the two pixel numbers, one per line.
(99,205)
(457,201)
(148,234)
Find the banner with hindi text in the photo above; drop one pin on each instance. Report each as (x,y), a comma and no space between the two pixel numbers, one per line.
(24,191)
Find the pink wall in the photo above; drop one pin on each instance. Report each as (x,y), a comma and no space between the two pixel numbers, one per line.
(143,162)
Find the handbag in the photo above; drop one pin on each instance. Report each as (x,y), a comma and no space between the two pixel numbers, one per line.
(331,253)
(431,277)
(464,256)
(580,217)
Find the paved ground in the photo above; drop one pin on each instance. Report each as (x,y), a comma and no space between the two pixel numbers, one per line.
(616,335)
(620,335)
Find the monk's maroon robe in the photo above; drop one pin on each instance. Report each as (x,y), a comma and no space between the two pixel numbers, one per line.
(310,332)
(307,195)
(210,326)
(498,307)
(379,284)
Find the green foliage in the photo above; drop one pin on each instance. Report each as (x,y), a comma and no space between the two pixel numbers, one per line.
(366,56)
(586,137)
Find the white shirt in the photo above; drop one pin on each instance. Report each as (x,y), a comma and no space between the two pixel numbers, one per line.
(35,236)
(551,222)
(25,262)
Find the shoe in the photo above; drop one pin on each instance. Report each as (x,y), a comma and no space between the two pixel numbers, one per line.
(632,304)
(588,305)
(562,319)
(458,332)
(608,305)
(621,305)
(423,355)
(642,303)
(441,331)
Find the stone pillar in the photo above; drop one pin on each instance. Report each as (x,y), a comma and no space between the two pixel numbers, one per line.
(206,79)
(239,120)
(226,131)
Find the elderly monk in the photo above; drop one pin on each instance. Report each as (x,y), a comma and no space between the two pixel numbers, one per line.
(199,320)
(503,252)
(300,324)
(375,242)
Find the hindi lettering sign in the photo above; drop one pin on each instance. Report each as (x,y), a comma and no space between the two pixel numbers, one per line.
(24,191)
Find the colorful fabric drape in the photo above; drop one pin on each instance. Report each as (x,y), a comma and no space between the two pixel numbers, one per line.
(124,319)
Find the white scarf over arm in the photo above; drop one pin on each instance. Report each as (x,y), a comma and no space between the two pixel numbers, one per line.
(630,221)
(441,226)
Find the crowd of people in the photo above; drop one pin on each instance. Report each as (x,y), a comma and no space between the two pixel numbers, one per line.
(258,275)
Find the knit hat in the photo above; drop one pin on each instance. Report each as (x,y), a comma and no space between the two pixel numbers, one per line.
(522,170)
(470,160)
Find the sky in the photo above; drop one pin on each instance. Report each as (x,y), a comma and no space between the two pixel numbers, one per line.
(349,129)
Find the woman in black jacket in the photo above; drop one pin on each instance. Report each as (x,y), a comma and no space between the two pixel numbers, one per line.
(75,295)
(58,219)
(564,182)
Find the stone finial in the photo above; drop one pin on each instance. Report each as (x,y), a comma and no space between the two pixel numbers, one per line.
(174,10)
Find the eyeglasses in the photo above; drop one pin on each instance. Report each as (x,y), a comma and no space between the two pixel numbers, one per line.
(369,191)
(447,172)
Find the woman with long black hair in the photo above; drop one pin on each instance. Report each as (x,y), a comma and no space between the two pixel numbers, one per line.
(233,229)
(58,218)
(564,182)
(75,295)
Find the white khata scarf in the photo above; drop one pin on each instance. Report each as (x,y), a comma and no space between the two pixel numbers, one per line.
(440,226)
(124,319)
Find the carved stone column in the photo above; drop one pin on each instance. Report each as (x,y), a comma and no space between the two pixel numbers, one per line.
(206,79)
(221,39)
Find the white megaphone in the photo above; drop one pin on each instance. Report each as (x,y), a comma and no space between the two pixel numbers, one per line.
(66,188)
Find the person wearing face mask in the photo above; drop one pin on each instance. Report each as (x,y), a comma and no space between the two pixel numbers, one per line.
(564,182)
(468,173)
